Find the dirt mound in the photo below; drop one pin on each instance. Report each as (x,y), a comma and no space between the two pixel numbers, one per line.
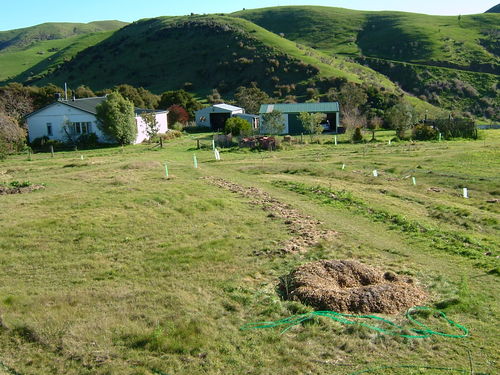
(351,287)
(19,190)
(304,229)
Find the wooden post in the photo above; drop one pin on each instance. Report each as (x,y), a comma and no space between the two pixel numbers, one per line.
(52,150)
(161,142)
(29,154)
(198,144)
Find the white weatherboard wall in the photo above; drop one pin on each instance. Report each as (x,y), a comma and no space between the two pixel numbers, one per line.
(56,115)
(142,135)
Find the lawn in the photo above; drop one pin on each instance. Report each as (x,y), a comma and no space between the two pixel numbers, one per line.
(115,269)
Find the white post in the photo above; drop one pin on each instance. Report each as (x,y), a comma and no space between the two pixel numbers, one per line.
(81,157)
(213,144)
(466,193)
(343,166)
(440,136)
(375,173)
(414,180)
(166,170)
(389,143)
(335,140)
(195,161)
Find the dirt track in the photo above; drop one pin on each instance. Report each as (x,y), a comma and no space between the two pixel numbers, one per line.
(304,229)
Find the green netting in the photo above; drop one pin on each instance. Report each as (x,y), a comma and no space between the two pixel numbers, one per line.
(392,328)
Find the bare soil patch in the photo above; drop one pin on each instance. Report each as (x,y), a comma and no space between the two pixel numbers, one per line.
(4,190)
(304,229)
(348,286)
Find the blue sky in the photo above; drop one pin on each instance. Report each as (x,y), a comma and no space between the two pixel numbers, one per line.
(22,13)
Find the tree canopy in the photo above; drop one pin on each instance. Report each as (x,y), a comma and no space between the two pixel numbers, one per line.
(116,118)
(251,98)
(273,122)
(181,98)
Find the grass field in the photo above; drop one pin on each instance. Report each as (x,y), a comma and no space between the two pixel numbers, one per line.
(115,269)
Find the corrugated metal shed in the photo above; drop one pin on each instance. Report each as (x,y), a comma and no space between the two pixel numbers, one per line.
(300,107)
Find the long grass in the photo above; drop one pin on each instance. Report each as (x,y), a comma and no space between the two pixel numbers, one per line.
(115,269)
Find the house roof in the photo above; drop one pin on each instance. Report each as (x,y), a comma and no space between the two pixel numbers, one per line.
(85,104)
(300,107)
(89,105)
(227,107)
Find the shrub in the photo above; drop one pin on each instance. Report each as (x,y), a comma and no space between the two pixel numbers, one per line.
(424,132)
(177,126)
(171,134)
(87,140)
(357,136)
(177,114)
(456,127)
(237,126)
(40,142)
(196,129)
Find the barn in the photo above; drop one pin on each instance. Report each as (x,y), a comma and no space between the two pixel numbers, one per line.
(216,115)
(291,113)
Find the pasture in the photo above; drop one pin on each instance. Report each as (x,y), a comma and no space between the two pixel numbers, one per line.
(115,269)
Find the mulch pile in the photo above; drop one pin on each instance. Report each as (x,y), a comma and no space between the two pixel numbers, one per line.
(348,286)
(19,190)
(303,228)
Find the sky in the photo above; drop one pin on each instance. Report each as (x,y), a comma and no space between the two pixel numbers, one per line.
(16,14)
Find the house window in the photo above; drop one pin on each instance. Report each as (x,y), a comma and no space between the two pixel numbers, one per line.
(49,129)
(82,127)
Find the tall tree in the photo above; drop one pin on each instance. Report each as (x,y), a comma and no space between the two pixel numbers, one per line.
(11,135)
(83,91)
(215,97)
(116,118)
(251,98)
(312,122)
(177,114)
(401,117)
(182,98)
(152,126)
(273,122)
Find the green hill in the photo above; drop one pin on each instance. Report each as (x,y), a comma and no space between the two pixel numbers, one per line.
(451,62)
(203,52)
(464,49)
(436,40)
(47,44)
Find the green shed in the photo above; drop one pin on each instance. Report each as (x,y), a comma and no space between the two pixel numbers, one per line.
(291,113)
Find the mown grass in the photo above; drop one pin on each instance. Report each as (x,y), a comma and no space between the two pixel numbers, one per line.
(112,268)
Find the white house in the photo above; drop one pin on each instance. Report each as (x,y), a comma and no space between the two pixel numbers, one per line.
(216,115)
(80,115)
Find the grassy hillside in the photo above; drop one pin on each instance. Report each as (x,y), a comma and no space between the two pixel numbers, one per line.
(390,35)
(30,51)
(205,52)
(411,49)
(27,37)
(113,269)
